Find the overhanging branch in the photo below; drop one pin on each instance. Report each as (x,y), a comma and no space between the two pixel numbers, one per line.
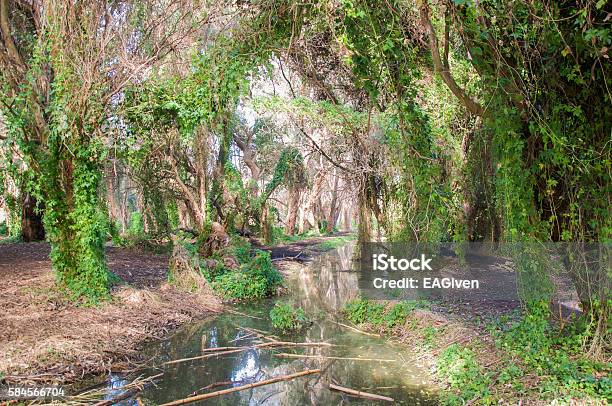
(442,68)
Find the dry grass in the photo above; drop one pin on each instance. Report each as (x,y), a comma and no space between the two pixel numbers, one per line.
(45,338)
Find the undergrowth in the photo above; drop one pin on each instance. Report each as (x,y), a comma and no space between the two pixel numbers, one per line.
(335,242)
(556,354)
(254,277)
(286,318)
(363,311)
(537,359)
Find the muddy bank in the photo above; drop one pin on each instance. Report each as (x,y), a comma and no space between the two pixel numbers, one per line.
(45,338)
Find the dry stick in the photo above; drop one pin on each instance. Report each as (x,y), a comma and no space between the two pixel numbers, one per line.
(243,387)
(231,350)
(213,349)
(204,356)
(261,333)
(355,329)
(288,258)
(359,393)
(241,314)
(286,355)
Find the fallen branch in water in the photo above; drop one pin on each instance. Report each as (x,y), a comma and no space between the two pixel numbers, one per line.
(215,354)
(286,355)
(125,395)
(216,351)
(243,387)
(212,385)
(261,334)
(232,311)
(355,329)
(288,258)
(360,394)
(93,396)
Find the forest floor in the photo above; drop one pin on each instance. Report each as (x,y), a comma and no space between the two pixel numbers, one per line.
(47,338)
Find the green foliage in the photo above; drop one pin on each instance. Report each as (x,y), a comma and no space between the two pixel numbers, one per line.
(240,249)
(467,379)
(279,236)
(363,311)
(289,171)
(135,225)
(286,318)
(555,354)
(255,279)
(240,286)
(396,316)
(335,242)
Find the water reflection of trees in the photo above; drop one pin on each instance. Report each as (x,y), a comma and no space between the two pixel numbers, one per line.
(328,282)
(321,288)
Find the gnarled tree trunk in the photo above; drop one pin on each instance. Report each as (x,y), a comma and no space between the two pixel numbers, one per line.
(32,228)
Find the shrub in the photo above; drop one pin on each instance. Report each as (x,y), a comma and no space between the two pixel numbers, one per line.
(286,318)
(240,249)
(240,285)
(256,279)
(261,265)
(363,311)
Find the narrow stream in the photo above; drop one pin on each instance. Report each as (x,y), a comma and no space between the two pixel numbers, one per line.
(321,288)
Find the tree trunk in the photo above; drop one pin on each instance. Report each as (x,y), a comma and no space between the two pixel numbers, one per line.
(32,228)
(364,230)
(333,207)
(292,212)
(183,215)
(75,231)
(313,200)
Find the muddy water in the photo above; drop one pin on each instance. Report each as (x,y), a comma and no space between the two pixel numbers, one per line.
(321,288)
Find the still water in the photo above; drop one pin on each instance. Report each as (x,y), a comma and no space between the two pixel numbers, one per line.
(321,288)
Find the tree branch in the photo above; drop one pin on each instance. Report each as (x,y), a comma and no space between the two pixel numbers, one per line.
(443,70)
(5,28)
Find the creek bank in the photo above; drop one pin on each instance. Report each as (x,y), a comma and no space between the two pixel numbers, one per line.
(48,339)
(471,357)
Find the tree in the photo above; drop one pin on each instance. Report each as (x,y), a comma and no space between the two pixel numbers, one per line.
(64,68)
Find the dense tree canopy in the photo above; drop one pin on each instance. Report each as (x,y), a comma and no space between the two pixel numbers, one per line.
(425,120)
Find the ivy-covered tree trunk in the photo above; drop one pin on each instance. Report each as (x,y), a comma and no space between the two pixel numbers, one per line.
(75,223)
(364,229)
